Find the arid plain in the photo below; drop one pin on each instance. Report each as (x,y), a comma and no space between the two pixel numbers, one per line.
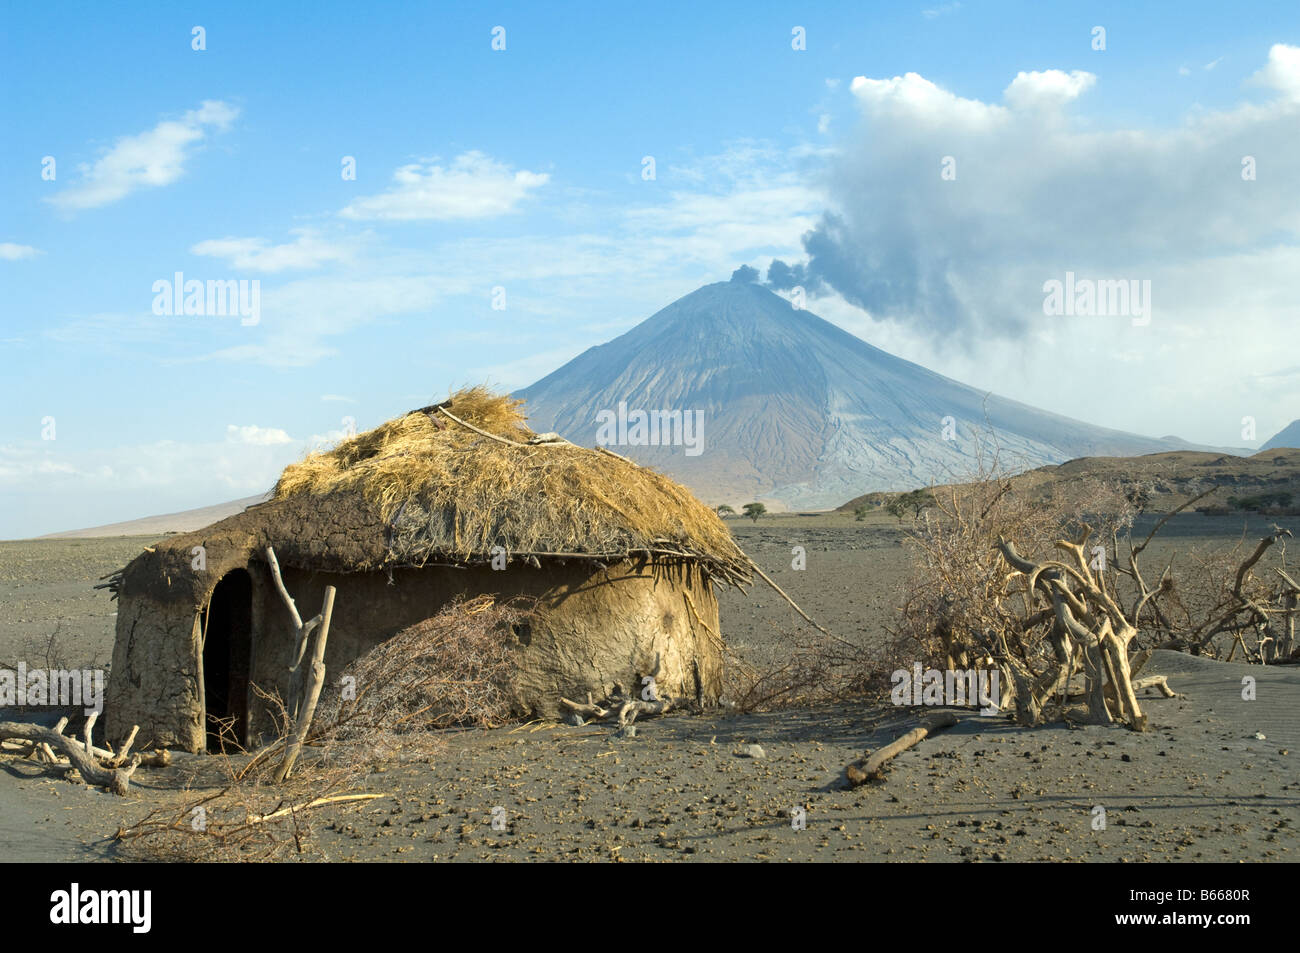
(1213,778)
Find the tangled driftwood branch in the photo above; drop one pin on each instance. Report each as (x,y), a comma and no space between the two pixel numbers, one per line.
(113,775)
(1091,633)
(625,710)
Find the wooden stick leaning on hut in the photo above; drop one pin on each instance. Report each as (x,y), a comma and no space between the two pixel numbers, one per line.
(302,631)
(315,681)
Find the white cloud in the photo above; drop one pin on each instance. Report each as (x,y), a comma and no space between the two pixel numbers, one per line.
(11,252)
(149,159)
(515,374)
(1036,195)
(473,186)
(308,250)
(914,99)
(1282,71)
(320,442)
(19,464)
(1048,89)
(950,272)
(257,436)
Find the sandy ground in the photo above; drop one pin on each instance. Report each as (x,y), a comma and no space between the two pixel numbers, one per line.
(1200,784)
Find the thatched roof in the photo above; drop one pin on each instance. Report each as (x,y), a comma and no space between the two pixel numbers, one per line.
(452,481)
(447,484)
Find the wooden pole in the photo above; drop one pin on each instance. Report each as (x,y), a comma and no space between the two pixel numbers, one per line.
(301,632)
(315,681)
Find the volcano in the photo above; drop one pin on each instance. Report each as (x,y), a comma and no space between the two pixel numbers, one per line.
(791,408)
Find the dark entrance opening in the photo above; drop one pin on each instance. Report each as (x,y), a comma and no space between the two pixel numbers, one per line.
(227,656)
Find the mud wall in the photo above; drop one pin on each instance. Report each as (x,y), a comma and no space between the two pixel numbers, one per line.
(154,679)
(597,628)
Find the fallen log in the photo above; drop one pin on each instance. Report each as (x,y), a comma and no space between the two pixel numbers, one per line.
(1158,682)
(116,780)
(869,768)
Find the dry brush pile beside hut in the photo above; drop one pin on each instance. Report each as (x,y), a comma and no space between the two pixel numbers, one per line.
(448,502)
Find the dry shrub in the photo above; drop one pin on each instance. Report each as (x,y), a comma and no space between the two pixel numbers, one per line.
(962,606)
(812,668)
(968,602)
(1210,608)
(449,670)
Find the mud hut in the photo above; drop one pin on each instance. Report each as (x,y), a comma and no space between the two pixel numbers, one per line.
(453,500)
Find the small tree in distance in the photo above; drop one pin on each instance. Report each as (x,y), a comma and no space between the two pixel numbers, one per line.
(725,510)
(915,500)
(755,510)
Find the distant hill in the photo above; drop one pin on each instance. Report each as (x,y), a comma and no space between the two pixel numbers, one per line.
(181,522)
(1288,436)
(1172,478)
(796,410)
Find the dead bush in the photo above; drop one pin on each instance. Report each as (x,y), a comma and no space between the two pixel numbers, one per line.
(811,668)
(1048,586)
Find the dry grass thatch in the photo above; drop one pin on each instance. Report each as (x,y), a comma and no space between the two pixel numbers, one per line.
(448,491)
(452,669)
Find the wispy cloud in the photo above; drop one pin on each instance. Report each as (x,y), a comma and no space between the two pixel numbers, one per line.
(1047,89)
(473,186)
(147,160)
(308,250)
(717,211)
(299,318)
(210,469)
(11,252)
(941,10)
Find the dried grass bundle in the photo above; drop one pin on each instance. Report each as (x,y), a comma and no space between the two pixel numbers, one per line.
(450,670)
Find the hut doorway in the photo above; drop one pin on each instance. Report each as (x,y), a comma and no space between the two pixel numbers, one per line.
(227,658)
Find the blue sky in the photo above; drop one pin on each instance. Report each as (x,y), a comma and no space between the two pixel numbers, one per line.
(521,169)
